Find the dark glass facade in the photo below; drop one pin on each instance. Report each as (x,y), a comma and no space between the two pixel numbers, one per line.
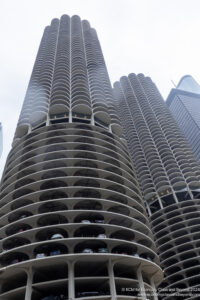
(184,104)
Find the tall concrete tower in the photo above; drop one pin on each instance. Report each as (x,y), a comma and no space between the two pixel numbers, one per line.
(169,177)
(72,220)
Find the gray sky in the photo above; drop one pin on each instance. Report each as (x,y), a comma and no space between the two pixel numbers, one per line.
(159,38)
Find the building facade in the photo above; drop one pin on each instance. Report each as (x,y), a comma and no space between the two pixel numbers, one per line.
(169,177)
(188,84)
(184,104)
(1,139)
(73,222)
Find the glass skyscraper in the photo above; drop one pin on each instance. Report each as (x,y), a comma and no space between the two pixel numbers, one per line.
(184,104)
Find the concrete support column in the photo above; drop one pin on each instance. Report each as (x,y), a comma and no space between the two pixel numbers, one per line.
(160,202)
(29,284)
(70,116)
(112,280)
(71,286)
(148,209)
(174,195)
(190,193)
(155,297)
(141,284)
(48,121)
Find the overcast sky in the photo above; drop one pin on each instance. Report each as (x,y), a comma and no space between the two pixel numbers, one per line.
(160,38)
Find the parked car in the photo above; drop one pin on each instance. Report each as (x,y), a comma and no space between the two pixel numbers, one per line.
(99,221)
(87,250)
(40,255)
(123,253)
(101,236)
(55,252)
(102,250)
(14,261)
(89,293)
(149,258)
(23,216)
(52,297)
(85,221)
(136,255)
(57,236)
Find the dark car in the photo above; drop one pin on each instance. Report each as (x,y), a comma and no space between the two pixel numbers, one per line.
(89,293)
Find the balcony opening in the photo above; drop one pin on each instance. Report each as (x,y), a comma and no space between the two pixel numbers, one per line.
(54,165)
(53,291)
(120,210)
(52,206)
(86,164)
(87,182)
(87,193)
(50,184)
(182,196)
(123,235)
(53,174)
(52,219)
(154,206)
(121,222)
(124,271)
(51,272)
(13,258)
(91,246)
(125,249)
(17,228)
(91,268)
(88,205)
(87,218)
(118,198)
(19,215)
(51,195)
(17,280)
(15,242)
(168,200)
(92,288)
(51,249)
(90,231)
(20,203)
(51,234)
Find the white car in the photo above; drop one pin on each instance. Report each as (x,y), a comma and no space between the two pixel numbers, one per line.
(101,236)
(57,236)
(40,255)
(136,255)
(87,250)
(86,221)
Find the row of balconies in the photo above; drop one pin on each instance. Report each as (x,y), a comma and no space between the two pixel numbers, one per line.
(70,128)
(109,204)
(68,173)
(83,228)
(49,219)
(95,142)
(82,245)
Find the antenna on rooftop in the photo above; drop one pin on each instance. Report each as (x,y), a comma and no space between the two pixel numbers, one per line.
(173,83)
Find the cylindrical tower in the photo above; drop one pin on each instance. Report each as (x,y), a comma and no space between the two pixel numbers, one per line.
(169,178)
(72,220)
